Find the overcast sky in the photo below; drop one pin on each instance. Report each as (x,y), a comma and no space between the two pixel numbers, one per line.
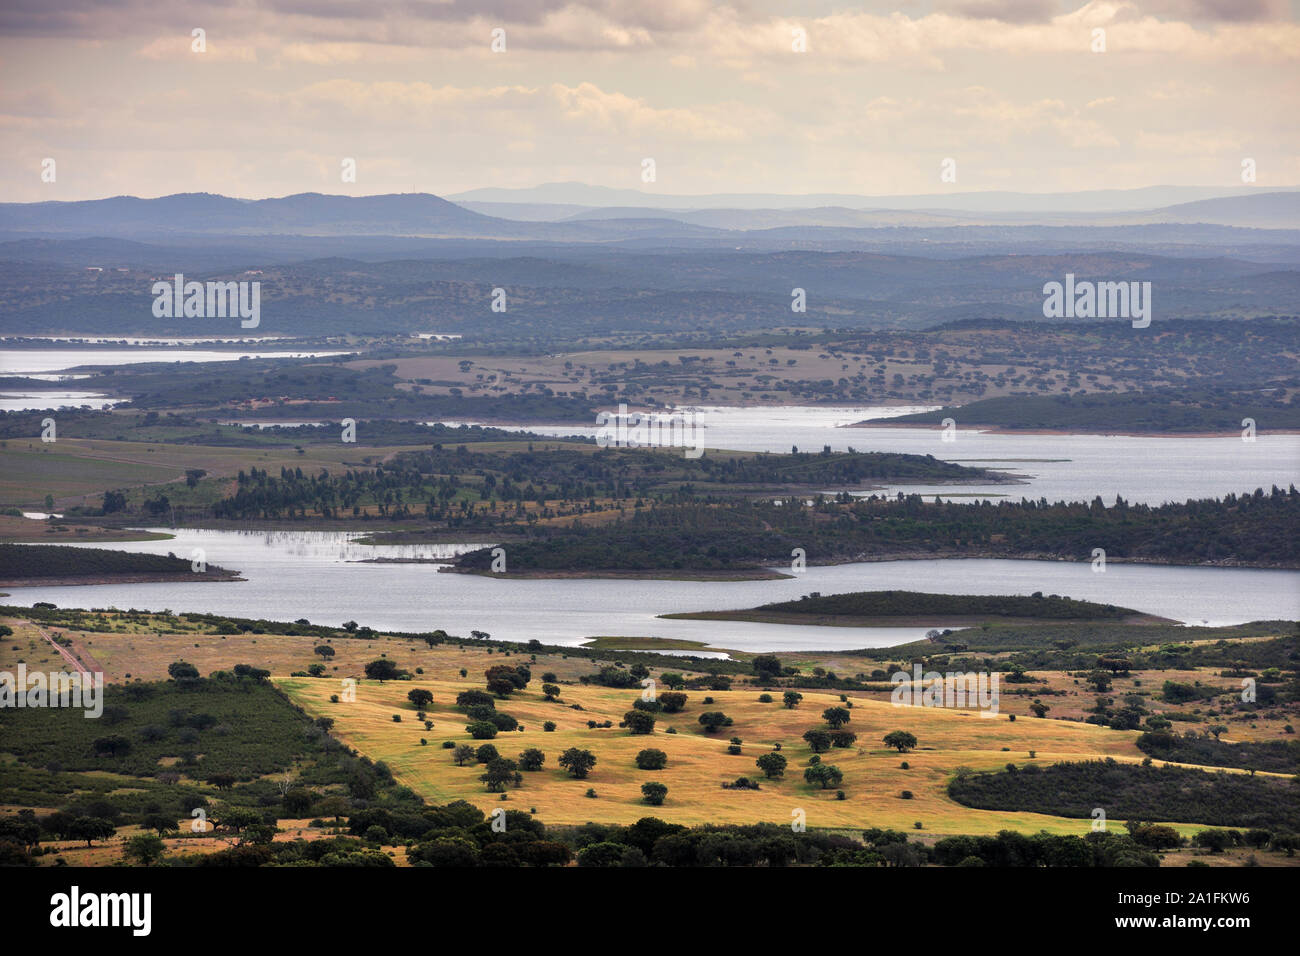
(714,93)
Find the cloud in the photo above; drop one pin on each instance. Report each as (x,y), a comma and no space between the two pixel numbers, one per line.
(1007,11)
(179,47)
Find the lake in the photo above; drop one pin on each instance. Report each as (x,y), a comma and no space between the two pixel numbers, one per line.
(1142,470)
(42,362)
(25,401)
(314,575)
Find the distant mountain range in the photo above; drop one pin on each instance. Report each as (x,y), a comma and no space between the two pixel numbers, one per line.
(409,262)
(581,195)
(420,215)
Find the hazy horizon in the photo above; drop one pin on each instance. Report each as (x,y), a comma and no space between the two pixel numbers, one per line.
(892,99)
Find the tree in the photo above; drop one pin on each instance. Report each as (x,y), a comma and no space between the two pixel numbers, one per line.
(672,702)
(791,699)
(639,721)
(818,739)
(772,764)
(324,651)
(651,759)
(1100,680)
(843,738)
(837,717)
(91,828)
(498,773)
(447,851)
(672,679)
(182,672)
(551,691)
(462,754)
(517,677)
(297,802)
(767,666)
(578,762)
(474,698)
(900,740)
(531,759)
(825,774)
(654,793)
(161,822)
(145,849)
(712,720)
(114,746)
(420,697)
(481,730)
(382,670)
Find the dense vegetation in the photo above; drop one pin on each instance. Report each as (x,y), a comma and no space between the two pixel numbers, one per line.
(229,725)
(29,561)
(1163,410)
(1134,792)
(912,603)
(1260,529)
(1272,756)
(465,487)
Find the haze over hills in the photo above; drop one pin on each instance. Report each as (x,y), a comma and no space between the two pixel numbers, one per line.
(1089,201)
(389,263)
(425,215)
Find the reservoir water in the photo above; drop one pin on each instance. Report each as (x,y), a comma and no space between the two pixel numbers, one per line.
(1146,469)
(318,576)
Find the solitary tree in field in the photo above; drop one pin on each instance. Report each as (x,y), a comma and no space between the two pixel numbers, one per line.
(900,740)
(654,793)
(639,721)
(791,699)
(382,670)
(531,759)
(651,759)
(672,702)
(714,719)
(420,697)
(324,651)
(825,774)
(499,772)
(772,764)
(462,754)
(577,762)
(837,717)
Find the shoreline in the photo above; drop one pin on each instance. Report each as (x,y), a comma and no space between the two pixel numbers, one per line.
(903,620)
(74,580)
(1099,432)
(757,574)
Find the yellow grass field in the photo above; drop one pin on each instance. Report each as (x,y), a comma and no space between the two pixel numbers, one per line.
(698,763)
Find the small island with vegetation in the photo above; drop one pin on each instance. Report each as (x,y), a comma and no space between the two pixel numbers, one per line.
(877,608)
(26,565)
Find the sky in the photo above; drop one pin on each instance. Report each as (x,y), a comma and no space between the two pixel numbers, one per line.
(1021,95)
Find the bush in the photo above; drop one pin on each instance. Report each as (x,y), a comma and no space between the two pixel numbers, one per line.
(651,759)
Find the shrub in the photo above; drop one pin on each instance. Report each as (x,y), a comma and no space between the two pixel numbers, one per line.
(651,759)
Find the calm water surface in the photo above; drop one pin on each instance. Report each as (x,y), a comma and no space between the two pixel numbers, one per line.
(316,575)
